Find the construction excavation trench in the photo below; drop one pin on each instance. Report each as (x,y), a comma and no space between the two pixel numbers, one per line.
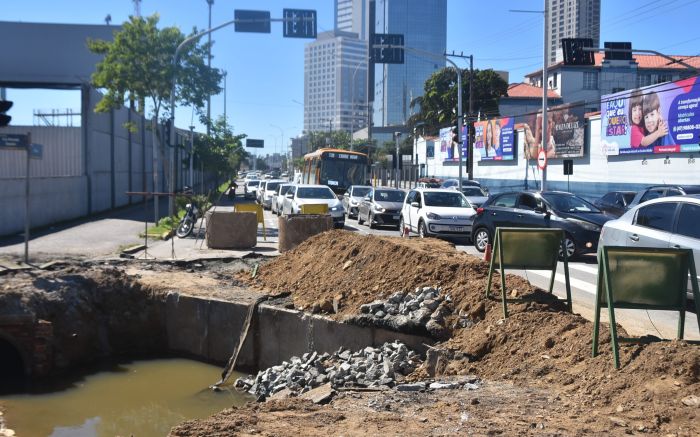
(345,334)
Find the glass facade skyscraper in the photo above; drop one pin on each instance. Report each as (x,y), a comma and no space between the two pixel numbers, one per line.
(424,26)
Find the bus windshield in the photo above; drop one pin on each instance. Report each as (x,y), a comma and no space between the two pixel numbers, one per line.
(342,173)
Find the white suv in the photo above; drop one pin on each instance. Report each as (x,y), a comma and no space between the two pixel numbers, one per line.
(433,212)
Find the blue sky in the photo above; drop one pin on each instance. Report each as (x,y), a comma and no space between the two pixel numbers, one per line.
(265,85)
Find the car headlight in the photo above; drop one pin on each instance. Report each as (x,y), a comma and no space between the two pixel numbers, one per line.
(587,225)
(379,208)
(354,202)
(433,216)
(337,208)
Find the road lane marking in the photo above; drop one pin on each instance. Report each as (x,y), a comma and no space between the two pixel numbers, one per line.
(577,283)
(584,268)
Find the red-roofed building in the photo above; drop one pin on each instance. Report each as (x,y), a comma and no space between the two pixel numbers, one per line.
(590,82)
(523,98)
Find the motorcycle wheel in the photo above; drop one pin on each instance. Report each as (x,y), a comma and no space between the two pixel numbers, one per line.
(185,227)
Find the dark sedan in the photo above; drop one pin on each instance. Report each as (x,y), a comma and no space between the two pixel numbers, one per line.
(380,207)
(615,202)
(580,220)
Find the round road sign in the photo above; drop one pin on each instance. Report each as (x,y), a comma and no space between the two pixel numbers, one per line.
(542,160)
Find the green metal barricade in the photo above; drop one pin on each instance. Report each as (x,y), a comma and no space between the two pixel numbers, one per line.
(642,278)
(527,248)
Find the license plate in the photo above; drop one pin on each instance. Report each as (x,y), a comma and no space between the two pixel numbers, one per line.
(395,217)
(457,228)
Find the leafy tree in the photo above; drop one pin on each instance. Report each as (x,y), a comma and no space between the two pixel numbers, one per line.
(336,139)
(138,65)
(438,104)
(222,152)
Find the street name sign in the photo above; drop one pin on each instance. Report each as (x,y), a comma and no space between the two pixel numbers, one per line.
(382,55)
(14,140)
(299,23)
(252,21)
(249,142)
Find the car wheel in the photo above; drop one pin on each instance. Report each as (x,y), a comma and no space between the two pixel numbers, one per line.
(422,230)
(370,221)
(570,246)
(481,239)
(359,218)
(401,228)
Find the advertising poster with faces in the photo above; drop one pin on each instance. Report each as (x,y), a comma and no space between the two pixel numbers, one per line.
(493,139)
(661,118)
(565,131)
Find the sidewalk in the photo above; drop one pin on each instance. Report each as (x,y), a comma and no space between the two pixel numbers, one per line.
(194,246)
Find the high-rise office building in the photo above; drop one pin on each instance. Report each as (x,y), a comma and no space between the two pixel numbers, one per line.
(351,16)
(335,82)
(571,19)
(424,26)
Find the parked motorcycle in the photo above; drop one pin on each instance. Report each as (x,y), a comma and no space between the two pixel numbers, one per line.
(186,225)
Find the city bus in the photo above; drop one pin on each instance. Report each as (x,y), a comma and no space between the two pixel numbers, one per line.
(337,168)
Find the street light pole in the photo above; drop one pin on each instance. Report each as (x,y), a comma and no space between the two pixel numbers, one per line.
(225,118)
(210,3)
(544,141)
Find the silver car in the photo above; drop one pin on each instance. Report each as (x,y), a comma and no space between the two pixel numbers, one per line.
(353,197)
(300,195)
(667,222)
(278,198)
(380,207)
(266,190)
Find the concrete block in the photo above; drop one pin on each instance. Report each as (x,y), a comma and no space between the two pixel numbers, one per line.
(231,230)
(294,229)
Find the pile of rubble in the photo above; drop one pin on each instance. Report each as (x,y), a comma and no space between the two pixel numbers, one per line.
(424,308)
(370,367)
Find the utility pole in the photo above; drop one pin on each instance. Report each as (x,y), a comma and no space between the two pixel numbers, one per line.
(397,135)
(191,156)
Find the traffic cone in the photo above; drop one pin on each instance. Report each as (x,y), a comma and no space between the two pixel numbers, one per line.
(487,253)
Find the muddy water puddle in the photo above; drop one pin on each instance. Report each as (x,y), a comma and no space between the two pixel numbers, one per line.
(140,398)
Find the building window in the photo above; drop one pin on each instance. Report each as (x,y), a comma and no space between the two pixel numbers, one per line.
(590,80)
(643,80)
(664,77)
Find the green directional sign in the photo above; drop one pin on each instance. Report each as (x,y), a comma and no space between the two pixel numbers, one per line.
(299,23)
(252,21)
(249,142)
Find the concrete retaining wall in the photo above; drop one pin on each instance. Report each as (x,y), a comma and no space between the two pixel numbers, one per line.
(211,328)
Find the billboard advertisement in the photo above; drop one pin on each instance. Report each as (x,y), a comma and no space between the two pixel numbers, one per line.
(656,119)
(448,149)
(565,129)
(493,139)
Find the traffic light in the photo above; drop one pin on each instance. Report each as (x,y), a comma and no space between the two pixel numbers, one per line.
(5,106)
(574,54)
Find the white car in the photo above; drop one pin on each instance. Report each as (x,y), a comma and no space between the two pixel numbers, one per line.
(250,189)
(266,190)
(666,222)
(352,198)
(278,198)
(433,212)
(314,194)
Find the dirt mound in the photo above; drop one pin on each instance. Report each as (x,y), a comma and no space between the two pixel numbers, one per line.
(539,344)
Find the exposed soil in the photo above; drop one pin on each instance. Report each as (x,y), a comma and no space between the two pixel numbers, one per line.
(539,345)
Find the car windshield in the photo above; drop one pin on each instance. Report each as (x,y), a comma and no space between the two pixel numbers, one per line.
(451,199)
(315,193)
(253,183)
(628,197)
(284,189)
(272,186)
(569,203)
(360,191)
(473,191)
(388,196)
